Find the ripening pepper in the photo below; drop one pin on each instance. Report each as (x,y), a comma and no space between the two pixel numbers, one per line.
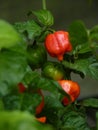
(57,44)
(71,88)
(53,70)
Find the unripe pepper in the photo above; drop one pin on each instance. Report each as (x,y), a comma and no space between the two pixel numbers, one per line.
(37,56)
(57,44)
(71,88)
(53,70)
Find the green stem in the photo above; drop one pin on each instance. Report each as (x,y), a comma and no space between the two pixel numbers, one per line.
(1,105)
(44,4)
(21,101)
(68,67)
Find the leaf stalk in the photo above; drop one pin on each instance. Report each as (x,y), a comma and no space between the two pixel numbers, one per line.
(44,4)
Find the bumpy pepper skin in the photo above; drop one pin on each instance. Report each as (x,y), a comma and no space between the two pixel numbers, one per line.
(57,44)
(70,87)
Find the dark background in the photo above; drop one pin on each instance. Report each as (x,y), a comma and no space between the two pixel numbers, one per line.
(64,12)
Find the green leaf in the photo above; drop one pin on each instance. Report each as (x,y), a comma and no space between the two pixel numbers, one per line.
(44,17)
(97,120)
(74,120)
(52,102)
(65,118)
(88,66)
(91,102)
(78,33)
(30,76)
(24,101)
(50,85)
(83,48)
(93,37)
(12,70)
(19,48)
(18,120)
(53,110)
(1,105)
(36,81)
(30,28)
(93,70)
(8,35)
(93,34)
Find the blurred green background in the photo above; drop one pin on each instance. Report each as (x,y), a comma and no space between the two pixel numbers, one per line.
(64,12)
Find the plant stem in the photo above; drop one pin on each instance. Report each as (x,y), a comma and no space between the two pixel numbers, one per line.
(44,4)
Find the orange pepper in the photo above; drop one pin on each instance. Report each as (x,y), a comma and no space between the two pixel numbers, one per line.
(71,88)
(41,119)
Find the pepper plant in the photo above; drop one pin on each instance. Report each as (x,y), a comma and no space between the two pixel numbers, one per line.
(36,62)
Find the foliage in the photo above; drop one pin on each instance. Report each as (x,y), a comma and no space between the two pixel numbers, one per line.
(20,121)
(17,110)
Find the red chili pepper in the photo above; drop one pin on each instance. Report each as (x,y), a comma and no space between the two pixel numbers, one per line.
(21,88)
(57,44)
(40,107)
(41,119)
(70,87)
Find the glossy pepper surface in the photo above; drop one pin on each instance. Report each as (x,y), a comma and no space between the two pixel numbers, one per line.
(53,70)
(57,44)
(71,88)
